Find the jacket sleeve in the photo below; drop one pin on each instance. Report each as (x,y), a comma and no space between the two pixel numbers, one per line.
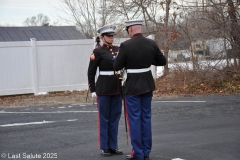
(92,69)
(119,62)
(159,59)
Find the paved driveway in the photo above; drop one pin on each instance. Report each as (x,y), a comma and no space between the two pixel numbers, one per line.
(196,128)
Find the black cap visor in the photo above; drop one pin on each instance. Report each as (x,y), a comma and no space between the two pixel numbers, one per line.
(108,34)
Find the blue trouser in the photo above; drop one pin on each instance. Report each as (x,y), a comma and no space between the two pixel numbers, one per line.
(139,124)
(109,112)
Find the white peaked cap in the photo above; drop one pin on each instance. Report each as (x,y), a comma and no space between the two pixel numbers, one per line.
(133,22)
(107,29)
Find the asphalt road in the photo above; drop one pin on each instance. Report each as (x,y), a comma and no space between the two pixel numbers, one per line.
(196,128)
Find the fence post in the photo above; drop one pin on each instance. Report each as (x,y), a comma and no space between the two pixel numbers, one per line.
(34,66)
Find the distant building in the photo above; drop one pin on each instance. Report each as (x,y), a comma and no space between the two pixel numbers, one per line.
(218,47)
(41,33)
(199,48)
(179,55)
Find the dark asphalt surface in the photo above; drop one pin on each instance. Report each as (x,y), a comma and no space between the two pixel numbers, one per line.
(195,128)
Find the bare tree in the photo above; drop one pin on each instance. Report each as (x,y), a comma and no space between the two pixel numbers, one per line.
(223,21)
(166,47)
(235,29)
(39,20)
(87,15)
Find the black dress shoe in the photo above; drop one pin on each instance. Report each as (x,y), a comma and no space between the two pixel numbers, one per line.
(129,157)
(105,152)
(116,151)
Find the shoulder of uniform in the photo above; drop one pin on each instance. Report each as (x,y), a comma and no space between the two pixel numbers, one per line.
(99,48)
(96,52)
(92,57)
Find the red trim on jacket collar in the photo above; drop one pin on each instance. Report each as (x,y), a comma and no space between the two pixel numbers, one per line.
(137,35)
(104,45)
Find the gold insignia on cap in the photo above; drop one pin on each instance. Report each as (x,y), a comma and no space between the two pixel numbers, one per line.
(92,57)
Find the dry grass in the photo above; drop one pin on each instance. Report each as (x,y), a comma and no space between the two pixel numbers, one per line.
(189,83)
(50,99)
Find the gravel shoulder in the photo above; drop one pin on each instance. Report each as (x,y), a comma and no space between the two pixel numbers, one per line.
(65,98)
(54,99)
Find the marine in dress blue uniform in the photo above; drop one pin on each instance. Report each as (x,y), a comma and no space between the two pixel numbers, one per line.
(107,90)
(137,55)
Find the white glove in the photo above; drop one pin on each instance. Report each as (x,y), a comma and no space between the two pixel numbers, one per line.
(94,94)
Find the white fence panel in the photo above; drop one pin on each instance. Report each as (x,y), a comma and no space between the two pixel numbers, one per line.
(44,66)
(63,66)
(15,68)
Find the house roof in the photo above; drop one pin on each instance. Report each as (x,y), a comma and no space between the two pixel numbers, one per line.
(43,33)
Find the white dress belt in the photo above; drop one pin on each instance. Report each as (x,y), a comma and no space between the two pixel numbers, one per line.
(138,70)
(109,73)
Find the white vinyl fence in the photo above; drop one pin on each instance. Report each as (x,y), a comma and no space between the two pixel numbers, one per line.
(45,66)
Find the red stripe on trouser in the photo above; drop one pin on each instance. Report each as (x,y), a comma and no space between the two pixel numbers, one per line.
(128,123)
(99,138)
(132,154)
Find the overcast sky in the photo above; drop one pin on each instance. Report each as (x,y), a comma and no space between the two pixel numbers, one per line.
(15,12)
